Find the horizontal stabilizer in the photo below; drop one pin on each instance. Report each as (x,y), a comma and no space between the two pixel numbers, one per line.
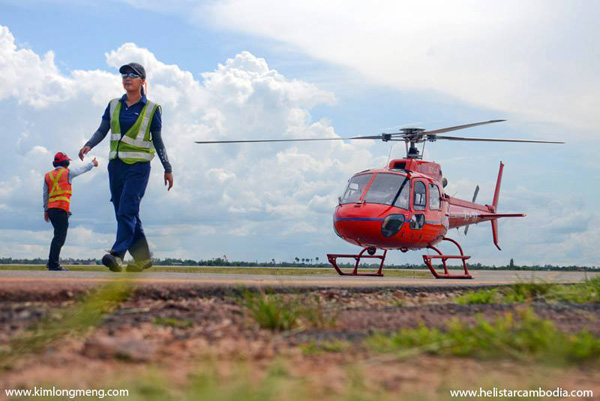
(498,215)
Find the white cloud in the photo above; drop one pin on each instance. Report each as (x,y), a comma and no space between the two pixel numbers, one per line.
(537,59)
(243,190)
(246,201)
(36,81)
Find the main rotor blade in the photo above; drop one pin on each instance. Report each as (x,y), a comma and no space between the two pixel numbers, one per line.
(457,127)
(460,138)
(291,140)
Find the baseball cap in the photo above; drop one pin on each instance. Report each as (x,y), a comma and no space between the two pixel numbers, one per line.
(135,67)
(60,157)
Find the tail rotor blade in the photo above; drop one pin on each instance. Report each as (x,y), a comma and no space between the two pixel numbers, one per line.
(474,199)
(475,194)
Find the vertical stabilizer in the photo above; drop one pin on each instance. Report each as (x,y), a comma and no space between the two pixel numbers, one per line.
(495,206)
(497,191)
(495,232)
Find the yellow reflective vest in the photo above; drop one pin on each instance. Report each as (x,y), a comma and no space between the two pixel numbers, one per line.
(136,145)
(59,189)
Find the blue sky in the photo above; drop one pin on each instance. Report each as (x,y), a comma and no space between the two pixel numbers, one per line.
(275,69)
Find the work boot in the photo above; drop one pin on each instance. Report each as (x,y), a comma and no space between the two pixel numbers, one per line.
(139,265)
(113,261)
(140,249)
(57,269)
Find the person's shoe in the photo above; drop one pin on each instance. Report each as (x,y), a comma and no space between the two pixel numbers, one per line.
(57,269)
(139,265)
(113,262)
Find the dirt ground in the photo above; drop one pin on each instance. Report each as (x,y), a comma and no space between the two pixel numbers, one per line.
(170,335)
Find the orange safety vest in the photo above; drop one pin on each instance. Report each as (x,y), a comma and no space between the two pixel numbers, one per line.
(59,196)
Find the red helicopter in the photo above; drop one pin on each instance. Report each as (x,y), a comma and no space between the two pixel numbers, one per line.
(404,207)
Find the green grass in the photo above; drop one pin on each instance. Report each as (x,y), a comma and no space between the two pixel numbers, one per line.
(317,313)
(321,347)
(585,292)
(522,336)
(173,322)
(486,296)
(278,312)
(273,311)
(288,271)
(207,384)
(75,319)
(241,383)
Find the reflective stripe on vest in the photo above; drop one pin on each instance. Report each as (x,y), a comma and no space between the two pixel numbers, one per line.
(59,189)
(131,155)
(136,145)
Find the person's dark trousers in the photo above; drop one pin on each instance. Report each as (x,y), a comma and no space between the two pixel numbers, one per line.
(60,221)
(127,187)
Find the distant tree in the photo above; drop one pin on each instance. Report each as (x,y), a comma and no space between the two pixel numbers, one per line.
(512,263)
(297,259)
(317,259)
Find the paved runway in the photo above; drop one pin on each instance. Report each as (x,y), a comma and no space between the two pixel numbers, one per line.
(11,280)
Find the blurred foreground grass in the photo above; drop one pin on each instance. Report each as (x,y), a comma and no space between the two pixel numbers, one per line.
(587,291)
(520,336)
(75,320)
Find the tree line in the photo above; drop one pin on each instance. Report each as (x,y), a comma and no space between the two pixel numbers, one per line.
(297,262)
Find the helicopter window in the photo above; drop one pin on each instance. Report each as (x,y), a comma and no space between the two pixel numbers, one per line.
(355,188)
(434,197)
(403,199)
(420,197)
(417,221)
(388,189)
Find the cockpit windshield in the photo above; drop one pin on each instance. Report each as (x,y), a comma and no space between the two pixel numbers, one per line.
(356,187)
(389,189)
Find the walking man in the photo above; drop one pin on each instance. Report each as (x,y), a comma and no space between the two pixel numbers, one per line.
(57,202)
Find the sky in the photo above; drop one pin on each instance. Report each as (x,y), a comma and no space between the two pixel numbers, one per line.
(283,69)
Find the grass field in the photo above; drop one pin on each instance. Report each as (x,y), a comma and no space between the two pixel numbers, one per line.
(330,344)
(289,271)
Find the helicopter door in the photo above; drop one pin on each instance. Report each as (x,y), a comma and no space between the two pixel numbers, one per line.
(419,204)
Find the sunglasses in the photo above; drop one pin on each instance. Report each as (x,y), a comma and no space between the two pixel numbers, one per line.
(130,75)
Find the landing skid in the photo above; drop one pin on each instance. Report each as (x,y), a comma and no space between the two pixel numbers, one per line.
(427,259)
(333,260)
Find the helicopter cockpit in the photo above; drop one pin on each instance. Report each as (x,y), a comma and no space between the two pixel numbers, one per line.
(386,189)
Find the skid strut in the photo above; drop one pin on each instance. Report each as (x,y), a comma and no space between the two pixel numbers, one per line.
(333,260)
(427,259)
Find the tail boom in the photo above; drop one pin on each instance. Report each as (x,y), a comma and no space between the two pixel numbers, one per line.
(464,213)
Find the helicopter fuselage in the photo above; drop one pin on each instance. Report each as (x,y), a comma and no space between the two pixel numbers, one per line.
(402,207)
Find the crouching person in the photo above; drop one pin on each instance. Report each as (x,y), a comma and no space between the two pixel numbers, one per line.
(57,201)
